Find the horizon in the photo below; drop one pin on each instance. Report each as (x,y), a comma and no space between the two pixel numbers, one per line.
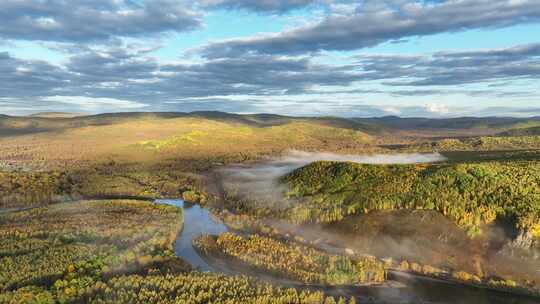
(79,115)
(344,58)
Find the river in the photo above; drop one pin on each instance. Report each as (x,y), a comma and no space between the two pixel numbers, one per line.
(401,288)
(197,221)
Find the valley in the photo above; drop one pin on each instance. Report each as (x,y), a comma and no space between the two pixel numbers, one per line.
(312,210)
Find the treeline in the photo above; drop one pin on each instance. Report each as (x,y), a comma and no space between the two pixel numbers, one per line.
(170,288)
(291,260)
(469,194)
(482,143)
(30,188)
(466,277)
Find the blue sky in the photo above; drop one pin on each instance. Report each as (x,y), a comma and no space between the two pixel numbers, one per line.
(296,57)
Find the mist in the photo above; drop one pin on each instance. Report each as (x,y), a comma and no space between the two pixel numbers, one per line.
(396,235)
(260,182)
(303,158)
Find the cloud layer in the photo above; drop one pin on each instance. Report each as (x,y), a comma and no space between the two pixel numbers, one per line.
(261,6)
(454,68)
(375,22)
(128,73)
(92,20)
(109,57)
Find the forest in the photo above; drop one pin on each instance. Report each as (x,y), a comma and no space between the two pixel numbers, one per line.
(114,251)
(293,261)
(470,194)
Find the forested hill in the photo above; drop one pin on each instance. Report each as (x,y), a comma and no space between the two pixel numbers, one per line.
(469,194)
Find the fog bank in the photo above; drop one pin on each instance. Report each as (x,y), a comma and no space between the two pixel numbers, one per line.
(260,182)
(303,158)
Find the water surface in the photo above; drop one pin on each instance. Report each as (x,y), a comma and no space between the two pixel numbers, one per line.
(197,221)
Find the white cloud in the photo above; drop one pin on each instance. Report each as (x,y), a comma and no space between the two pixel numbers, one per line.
(434,108)
(92,103)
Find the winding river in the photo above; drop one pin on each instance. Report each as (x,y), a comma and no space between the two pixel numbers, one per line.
(197,221)
(401,288)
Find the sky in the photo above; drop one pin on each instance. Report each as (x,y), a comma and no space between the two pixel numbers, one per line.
(363,58)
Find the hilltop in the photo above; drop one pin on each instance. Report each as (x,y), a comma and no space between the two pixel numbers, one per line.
(469,194)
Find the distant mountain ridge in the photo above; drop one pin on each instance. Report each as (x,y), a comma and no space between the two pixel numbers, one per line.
(448,123)
(53,121)
(56,115)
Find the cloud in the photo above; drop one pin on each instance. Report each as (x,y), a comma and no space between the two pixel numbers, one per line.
(93,20)
(92,104)
(261,6)
(453,68)
(124,73)
(271,83)
(511,111)
(29,78)
(437,108)
(130,76)
(375,22)
(300,158)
